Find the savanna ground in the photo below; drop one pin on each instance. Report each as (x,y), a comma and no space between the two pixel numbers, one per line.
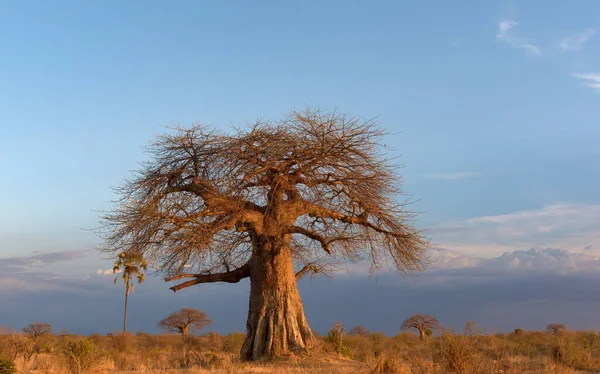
(469,351)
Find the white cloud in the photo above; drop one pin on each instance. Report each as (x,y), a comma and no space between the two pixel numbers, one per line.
(505,34)
(447,259)
(568,226)
(106,272)
(590,80)
(576,42)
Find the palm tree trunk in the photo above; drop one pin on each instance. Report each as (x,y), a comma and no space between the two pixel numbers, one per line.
(125,310)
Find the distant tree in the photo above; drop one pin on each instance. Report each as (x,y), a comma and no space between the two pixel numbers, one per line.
(34,330)
(130,266)
(359,331)
(184,321)
(268,203)
(555,328)
(519,332)
(421,322)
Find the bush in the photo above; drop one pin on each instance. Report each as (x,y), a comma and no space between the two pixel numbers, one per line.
(210,360)
(7,366)
(387,365)
(459,353)
(233,342)
(18,345)
(335,336)
(81,356)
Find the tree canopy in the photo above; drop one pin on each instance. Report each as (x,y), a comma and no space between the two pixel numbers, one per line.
(196,203)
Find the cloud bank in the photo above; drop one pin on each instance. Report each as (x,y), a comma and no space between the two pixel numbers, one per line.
(568,226)
(522,288)
(531,261)
(38,260)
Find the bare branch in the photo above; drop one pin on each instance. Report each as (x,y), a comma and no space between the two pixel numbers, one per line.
(312,235)
(233,276)
(306,269)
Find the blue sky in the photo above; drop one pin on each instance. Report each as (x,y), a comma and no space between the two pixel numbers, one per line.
(494,107)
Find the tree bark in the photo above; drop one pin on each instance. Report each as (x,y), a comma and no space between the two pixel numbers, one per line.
(276,324)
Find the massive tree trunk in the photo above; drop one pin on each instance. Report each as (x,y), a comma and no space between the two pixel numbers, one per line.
(276,324)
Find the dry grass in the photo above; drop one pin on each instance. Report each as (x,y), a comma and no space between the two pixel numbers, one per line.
(469,351)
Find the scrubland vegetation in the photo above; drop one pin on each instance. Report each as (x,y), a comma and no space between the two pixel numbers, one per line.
(357,351)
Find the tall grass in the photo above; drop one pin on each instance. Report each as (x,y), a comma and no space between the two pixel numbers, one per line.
(468,351)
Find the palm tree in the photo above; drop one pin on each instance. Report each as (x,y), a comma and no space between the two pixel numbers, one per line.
(130,266)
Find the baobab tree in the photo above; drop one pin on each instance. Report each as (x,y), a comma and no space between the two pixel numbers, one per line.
(34,330)
(184,320)
(130,266)
(359,331)
(270,203)
(555,328)
(421,323)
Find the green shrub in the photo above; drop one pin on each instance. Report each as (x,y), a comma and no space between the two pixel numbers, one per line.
(81,356)
(46,348)
(335,336)
(7,366)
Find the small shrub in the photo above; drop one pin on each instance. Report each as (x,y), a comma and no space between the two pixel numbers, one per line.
(46,348)
(210,360)
(19,346)
(7,366)
(81,356)
(335,336)
(122,342)
(233,342)
(459,353)
(387,365)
